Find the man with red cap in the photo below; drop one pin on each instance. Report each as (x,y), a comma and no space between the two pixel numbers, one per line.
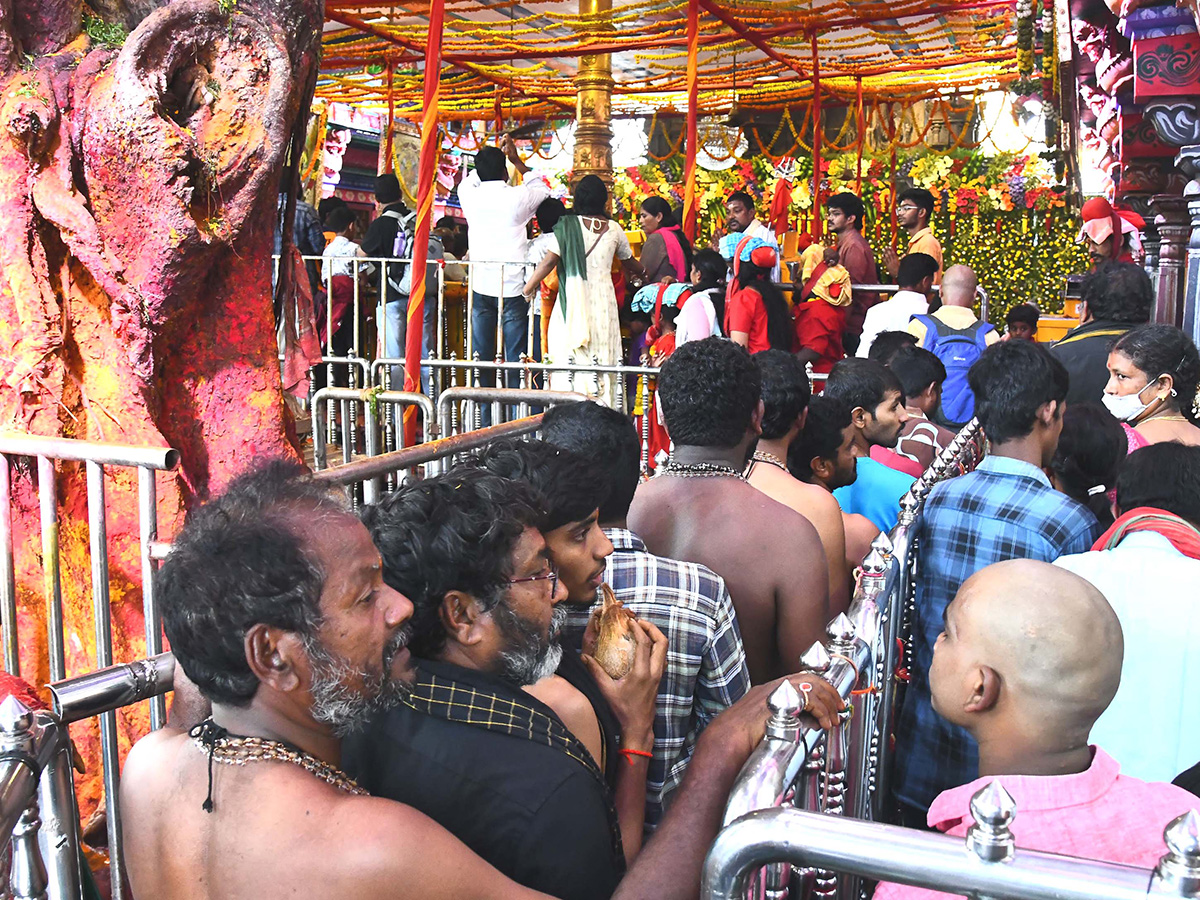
(1111,235)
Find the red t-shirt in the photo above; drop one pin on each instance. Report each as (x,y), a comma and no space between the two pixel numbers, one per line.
(746,312)
(819,326)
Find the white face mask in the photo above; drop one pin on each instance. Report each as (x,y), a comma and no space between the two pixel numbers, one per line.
(1127,407)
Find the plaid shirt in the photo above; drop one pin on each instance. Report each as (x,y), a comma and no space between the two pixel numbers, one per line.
(1005,509)
(706,665)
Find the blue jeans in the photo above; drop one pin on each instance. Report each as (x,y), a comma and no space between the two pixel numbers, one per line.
(483,337)
(394,322)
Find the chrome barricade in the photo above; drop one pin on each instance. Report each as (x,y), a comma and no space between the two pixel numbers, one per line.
(459,408)
(987,864)
(37,790)
(95,457)
(845,772)
(371,400)
(390,464)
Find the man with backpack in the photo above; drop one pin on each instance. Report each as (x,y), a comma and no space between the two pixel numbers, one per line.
(956,336)
(390,236)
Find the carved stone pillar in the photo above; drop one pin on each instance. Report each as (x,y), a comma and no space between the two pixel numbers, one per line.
(1174,228)
(593,112)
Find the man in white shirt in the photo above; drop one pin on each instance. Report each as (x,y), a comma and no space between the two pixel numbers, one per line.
(1148,572)
(740,207)
(497,215)
(915,278)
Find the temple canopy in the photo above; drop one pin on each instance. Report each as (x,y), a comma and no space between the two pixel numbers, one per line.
(518,60)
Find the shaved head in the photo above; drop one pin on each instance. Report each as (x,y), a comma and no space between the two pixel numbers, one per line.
(958,286)
(1030,643)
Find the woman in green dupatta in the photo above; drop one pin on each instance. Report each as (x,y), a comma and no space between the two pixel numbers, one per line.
(584,329)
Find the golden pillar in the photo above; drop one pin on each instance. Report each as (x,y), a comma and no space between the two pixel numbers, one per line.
(593,110)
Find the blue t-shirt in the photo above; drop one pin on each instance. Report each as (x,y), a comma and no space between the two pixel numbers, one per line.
(875,493)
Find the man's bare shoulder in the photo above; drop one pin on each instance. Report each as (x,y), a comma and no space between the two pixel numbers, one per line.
(809,500)
(388,844)
(307,831)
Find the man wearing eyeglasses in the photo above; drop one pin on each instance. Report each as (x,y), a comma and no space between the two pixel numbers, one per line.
(914,209)
(473,750)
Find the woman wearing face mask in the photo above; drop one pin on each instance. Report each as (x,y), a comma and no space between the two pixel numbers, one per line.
(1153,371)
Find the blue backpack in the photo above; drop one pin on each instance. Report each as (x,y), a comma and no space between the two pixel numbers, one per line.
(957,348)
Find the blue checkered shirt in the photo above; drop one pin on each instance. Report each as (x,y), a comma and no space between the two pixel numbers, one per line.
(1005,509)
(706,665)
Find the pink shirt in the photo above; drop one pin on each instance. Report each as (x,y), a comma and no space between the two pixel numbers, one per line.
(1098,814)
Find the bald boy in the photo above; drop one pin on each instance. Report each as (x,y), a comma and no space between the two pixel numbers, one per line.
(1029,658)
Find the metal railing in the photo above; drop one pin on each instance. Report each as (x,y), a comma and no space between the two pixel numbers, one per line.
(438,452)
(37,791)
(95,457)
(986,864)
(844,772)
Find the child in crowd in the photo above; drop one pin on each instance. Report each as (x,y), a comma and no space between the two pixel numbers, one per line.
(664,303)
(1031,705)
(1021,323)
(921,375)
(705,309)
(756,315)
(821,321)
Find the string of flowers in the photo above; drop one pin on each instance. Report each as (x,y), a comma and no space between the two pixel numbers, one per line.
(1006,216)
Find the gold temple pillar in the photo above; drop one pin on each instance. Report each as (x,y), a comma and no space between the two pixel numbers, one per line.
(593,109)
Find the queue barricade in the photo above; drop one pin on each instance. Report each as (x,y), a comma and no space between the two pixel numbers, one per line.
(844,772)
(29,735)
(986,864)
(372,401)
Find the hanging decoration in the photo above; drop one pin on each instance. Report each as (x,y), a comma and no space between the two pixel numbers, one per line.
(1001,215)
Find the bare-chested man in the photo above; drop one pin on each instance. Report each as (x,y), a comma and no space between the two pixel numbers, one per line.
(785,396)
(276,609)
(825,454)
(700,507)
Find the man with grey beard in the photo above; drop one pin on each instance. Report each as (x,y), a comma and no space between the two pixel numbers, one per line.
(487,760)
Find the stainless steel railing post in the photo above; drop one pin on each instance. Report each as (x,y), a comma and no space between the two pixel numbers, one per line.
(148,524)
(8,574)
(98,535)
(51,578)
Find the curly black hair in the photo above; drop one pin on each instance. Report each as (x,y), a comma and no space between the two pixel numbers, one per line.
(1165,350)
(605,437)
(709,391)
(454,532)
(240,561)
(568,486)
(785,391)
(1118,292)
(821,436)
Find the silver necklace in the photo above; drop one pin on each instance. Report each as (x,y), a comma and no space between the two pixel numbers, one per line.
(700,470)
(237,750)
(770,459)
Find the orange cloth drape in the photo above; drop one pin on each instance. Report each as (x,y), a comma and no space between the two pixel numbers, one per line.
(426,180)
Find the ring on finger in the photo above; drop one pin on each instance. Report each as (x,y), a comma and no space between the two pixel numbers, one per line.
(805,689)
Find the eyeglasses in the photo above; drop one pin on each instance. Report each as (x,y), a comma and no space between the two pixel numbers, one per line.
(906,208)
(551,575)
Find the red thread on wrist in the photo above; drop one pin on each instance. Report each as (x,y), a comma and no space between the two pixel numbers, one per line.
(629,754)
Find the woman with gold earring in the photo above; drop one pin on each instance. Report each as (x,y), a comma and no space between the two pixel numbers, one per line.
(1153,373)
